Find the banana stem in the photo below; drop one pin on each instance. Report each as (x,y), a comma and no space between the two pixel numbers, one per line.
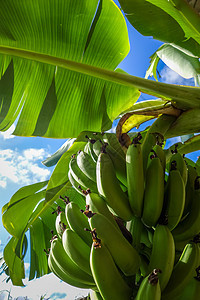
(179,94)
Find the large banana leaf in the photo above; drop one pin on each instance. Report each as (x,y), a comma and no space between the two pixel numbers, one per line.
(172,21)
(178,59)
(57,61)
(48,100)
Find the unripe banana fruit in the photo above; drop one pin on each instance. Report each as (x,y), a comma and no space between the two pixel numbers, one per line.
(154,193)
(106,275)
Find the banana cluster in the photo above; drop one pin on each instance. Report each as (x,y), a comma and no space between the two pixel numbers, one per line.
(138,237)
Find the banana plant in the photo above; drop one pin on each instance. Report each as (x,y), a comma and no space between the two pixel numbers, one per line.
(59,77)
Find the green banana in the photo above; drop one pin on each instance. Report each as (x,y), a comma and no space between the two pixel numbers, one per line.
(61,223)
(125,256)
(146,237)
(177,161)
(149,288)
(159,127)
(80,177)
(163,254)
(77,222)
(135,178)
(112,140)
(159,152)
(86,165)
(183,271)
(98,204)
(97,146)
(69,267)
(190,186)
(119,163)
(77,249)
(175,200)
(106,274)
(89,149)
(136,227)
(109,188)
(60,273)
(86,148)
(190,226)
(79,188)
(154,193)
(191,290)
(144,265)
(111,145)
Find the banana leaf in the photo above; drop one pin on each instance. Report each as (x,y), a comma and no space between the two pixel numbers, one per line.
(178,59)
(173,21)
(58,63)
(54,158)
(48,100)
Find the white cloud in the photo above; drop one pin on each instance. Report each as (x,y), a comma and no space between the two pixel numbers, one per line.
(8,133)
(169,76)
(35,154)
(22,167)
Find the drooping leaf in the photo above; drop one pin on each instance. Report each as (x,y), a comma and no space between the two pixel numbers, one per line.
(177,59)
(51,101)
(143,111)
(54,158)
(25,192)
(151,71)
(146,106)
(16,264)
(162,20)
(15,219)
(38,245)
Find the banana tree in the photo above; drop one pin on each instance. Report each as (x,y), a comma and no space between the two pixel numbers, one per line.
(59,79)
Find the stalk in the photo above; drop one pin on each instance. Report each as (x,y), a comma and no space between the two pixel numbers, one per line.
(181,96)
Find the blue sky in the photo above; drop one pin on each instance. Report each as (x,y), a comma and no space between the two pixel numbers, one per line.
(20,163)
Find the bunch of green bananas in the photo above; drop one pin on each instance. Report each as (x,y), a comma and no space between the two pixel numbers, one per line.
(138,237)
